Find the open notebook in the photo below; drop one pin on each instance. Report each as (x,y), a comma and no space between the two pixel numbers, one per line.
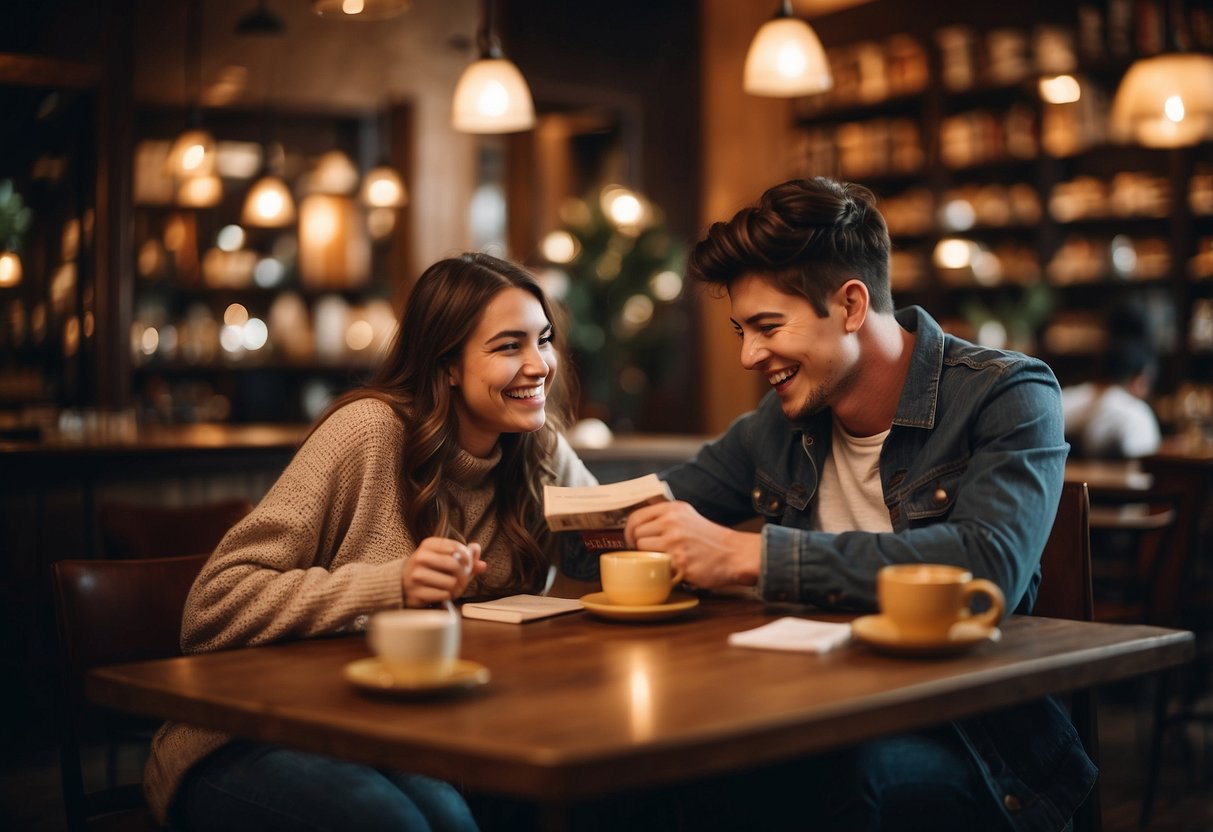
(515,609)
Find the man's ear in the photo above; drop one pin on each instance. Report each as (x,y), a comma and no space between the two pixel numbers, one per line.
(854,298)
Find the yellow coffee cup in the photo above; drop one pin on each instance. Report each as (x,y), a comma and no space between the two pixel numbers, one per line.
(637,578)
(924,600)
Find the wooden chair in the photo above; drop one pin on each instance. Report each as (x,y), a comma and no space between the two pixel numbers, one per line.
(109,612)
(1177,598)
(132,530)
(1065,592)
(1139,571)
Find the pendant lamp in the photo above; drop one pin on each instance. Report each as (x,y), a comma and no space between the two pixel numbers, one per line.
(1166,100)
(192,154)
(492,96)
(360,9)
(786,59)
(10,269)
(382,186)
(269,203)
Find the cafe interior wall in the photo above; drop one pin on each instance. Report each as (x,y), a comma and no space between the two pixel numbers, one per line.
(127,57)
(604,57)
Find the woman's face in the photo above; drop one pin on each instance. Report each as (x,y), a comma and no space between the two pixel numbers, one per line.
(501,379)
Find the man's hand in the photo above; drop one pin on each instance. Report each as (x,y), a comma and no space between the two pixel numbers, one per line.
(711,555)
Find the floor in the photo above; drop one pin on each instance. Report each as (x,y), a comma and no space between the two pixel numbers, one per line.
(30,797)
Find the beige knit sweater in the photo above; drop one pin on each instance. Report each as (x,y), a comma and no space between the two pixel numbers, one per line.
(321,552)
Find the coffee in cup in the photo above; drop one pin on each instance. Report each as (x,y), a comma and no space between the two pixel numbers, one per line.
(924,600)
(636,578)
(415,645)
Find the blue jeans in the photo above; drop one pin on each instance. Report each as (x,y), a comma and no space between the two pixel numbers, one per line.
(922,781)
(264,788)
(904,783)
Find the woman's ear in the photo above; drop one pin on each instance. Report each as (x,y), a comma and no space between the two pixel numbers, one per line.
(452,375)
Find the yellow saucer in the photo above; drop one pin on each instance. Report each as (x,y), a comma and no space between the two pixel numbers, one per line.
(880,633)
(370,674)
(676,604)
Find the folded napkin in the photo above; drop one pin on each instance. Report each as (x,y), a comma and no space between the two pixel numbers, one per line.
(797,634)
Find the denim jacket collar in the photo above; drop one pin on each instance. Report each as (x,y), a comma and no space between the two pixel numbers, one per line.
(917,410)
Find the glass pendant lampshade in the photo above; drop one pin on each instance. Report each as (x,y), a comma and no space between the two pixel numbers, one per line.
(492,96)
(10,269)
(382,187)
(192,154)
(269,203)
(200,191)
(1165,101)
(786,59)
(360,9)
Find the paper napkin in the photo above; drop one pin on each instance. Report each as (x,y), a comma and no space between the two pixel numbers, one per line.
(797,634)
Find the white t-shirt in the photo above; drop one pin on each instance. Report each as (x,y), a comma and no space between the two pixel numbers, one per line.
(850,497)
(1108,421)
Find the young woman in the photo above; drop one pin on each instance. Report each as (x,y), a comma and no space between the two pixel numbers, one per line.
(421,487)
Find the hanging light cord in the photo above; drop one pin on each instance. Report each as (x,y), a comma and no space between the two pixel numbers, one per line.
(193,61)
(486,37)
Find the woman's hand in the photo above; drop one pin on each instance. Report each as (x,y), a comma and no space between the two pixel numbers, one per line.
(440,570)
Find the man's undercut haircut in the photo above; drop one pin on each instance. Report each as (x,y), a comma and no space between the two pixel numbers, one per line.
(809,236)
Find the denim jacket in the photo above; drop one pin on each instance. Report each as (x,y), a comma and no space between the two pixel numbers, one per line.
(972,471)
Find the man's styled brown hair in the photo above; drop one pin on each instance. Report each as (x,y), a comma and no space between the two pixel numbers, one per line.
(808,236)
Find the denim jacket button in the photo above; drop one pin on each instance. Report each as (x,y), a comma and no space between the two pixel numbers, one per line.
(941,496)
(834,598)
(1011,802)
(773,505)
(756,494)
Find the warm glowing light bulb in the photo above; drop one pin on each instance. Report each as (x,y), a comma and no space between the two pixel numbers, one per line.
(625,209)
(791,61)
(493,99)
(10,269)
(384,192)
(269,203)
(193,157)
(952,253)
(1173,108)
(559,247)
(235,315)
(353,6)
(1060,89)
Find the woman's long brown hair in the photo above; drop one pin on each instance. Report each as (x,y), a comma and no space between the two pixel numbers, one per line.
(442,312)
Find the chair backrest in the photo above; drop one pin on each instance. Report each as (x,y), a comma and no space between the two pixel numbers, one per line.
(132,530)
(111,611)
(1143,570)
(1065,592)
(1065,564)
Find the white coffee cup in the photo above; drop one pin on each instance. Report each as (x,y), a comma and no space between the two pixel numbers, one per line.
(415,644)
(636,578)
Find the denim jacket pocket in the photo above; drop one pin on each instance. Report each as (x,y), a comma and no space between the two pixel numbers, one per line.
(932,497)
(768,498)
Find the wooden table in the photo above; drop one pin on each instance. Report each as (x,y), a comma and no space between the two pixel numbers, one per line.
(580,708)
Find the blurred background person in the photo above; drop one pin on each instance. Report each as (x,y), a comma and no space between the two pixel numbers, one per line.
(1110,417)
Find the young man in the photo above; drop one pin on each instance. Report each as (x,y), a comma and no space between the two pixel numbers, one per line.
(883,440)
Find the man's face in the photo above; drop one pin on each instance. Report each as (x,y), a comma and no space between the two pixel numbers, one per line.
(808,360)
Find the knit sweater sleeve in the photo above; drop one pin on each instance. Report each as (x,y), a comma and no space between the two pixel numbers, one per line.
(570,470)
(319,551)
